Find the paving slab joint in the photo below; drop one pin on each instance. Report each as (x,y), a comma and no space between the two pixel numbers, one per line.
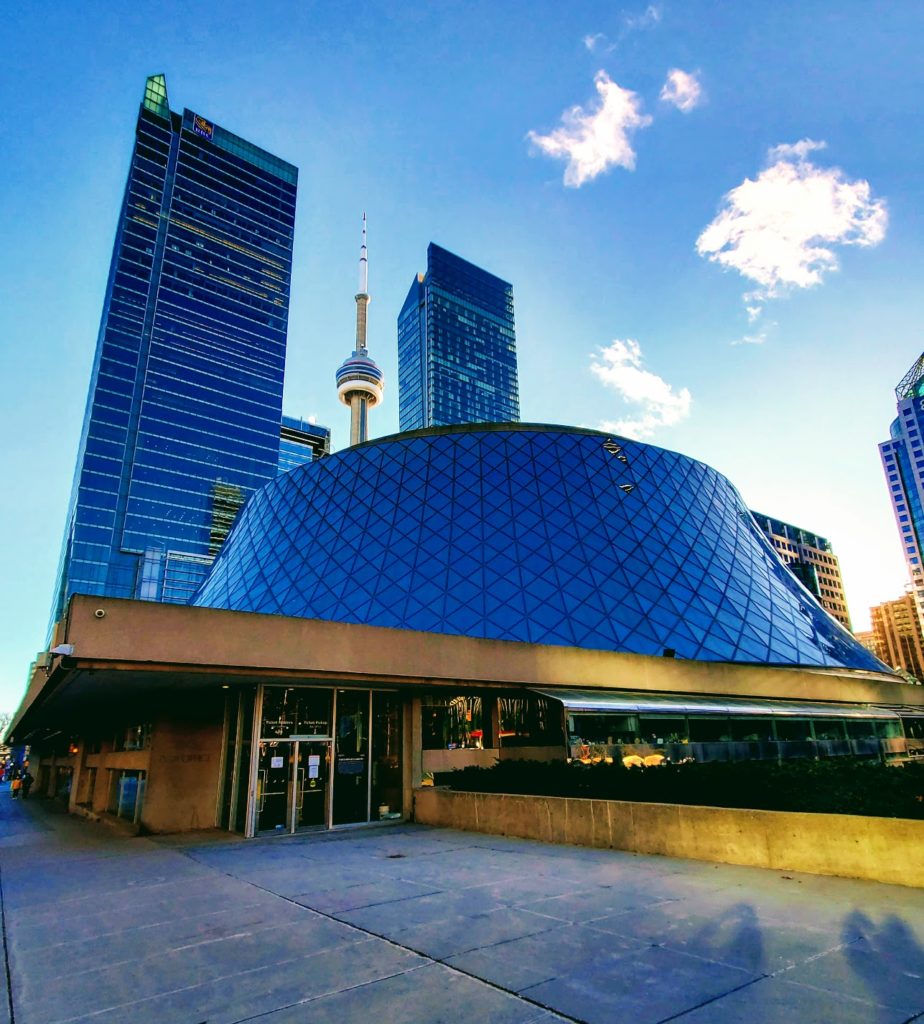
(6,954)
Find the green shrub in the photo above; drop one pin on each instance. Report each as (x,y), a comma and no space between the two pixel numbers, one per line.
(844,786)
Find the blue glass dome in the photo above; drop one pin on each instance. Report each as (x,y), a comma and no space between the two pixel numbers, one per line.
(548,535)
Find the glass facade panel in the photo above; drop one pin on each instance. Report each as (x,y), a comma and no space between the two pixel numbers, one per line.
(186,386)
(387,784)
(296,711)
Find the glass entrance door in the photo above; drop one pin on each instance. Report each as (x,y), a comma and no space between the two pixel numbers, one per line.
(293,785)
(312,784)
(351,757)
(274,786)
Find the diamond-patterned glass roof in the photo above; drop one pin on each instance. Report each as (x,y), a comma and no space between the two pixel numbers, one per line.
(521,532)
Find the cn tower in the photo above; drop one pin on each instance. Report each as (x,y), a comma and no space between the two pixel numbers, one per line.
(360,383)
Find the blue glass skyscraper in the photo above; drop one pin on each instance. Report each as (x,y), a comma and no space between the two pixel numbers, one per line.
(903,462)
(457,358)
(183,415)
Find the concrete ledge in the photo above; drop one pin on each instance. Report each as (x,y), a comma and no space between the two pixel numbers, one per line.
(850,846)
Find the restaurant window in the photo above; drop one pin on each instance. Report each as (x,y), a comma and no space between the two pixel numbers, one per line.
(751,730)
(793,730)
(830,729)
(452,723)
(891,728)
(661,729)
(529,722)
(603,728)
(709,729)
(861,729)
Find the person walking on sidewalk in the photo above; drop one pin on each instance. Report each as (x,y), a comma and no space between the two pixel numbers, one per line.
(15,786)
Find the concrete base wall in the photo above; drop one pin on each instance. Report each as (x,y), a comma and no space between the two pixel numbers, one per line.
(185,764)
(850,846)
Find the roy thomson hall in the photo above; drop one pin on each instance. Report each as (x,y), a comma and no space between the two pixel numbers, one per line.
(445,597)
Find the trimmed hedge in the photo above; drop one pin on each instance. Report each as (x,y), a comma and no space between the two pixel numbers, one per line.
(845,786)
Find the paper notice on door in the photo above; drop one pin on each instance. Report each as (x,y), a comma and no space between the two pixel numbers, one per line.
(276,762)
(313,771)
(314,759)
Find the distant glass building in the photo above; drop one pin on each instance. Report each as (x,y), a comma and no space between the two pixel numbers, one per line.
(903,462)
(183,415)
(301,442)
(810,558)
(457,359)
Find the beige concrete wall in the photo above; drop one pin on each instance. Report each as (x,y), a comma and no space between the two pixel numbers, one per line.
(167,636)
(185,766)
(850,846)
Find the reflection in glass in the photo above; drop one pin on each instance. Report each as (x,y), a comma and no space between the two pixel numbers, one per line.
(450,723)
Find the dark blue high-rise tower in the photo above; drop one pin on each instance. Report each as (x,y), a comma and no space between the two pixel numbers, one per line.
(457,358)
(183,415)
(903,461)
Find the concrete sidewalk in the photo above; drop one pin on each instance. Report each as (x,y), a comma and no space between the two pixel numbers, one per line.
(408,925)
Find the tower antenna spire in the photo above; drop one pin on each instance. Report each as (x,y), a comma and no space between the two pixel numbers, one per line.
(363,263)
(360,383)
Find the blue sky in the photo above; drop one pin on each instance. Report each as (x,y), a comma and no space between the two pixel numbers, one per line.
(551,144)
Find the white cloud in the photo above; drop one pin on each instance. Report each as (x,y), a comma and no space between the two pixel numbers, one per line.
(751,339)
(795,150)
(597,41)
(619,366)
(682,90)
(753,312)
(779,229)
(647,19)
(593,140)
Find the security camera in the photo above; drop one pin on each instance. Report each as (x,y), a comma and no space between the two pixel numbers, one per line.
(100,613)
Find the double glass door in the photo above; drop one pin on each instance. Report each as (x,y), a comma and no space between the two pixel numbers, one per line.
(292,785)
(324,758)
